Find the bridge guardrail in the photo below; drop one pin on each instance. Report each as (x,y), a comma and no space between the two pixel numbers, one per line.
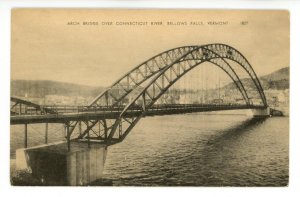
(135,108)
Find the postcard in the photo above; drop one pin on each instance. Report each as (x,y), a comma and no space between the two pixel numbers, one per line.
(149,97)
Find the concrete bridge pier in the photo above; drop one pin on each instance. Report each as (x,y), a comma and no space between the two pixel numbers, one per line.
(264,112)
(53,164)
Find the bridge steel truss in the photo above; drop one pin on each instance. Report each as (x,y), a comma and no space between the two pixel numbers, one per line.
(162,71)
(159,73)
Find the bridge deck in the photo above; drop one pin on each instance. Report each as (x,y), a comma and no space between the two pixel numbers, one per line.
(113,114)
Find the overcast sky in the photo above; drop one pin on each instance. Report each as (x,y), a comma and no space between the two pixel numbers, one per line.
(44,47)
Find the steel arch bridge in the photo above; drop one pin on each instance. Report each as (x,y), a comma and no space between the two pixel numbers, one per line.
(113,119)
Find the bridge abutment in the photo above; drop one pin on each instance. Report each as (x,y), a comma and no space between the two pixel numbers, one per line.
(265,112)
(53,164)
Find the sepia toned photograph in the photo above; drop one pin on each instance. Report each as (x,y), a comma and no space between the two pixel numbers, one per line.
(149,97)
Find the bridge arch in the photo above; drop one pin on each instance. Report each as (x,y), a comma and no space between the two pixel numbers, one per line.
(183,63)
(127,83)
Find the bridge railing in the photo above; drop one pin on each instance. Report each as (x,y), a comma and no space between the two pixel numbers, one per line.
(25,110)
(78,109)
(60,109)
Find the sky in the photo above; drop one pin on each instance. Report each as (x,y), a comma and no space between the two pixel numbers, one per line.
(53,44)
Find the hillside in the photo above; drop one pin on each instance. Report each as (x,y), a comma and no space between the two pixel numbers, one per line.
(40,88)
(282,74)
(278,80)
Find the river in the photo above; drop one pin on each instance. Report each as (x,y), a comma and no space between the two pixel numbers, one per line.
(192,150)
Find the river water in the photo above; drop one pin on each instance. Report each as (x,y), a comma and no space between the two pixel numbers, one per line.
(192,150)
